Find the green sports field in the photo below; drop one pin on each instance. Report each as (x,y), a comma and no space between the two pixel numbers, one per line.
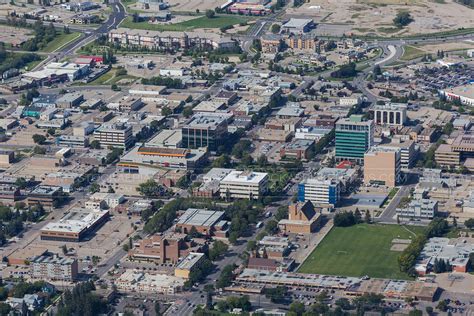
(359,250)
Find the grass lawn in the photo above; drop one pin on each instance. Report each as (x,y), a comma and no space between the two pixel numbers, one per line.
(60,40)
(33,64)
(359,250)
(201,22)
(110,78)
(411,52)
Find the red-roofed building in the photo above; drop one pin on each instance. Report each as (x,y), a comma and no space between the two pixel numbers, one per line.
(345,164)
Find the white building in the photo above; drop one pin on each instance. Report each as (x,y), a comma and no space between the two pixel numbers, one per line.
(137,281)
(244,185)
(394,114)
(53,268)
(465,94)
(419,209)
(116,135)
(320,191)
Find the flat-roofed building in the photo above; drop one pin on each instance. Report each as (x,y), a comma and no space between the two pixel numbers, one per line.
(445,156)
(382,165)
(137,281)
(74,226)
(47,267)
(244,185)
(10,193)
(44,195)
(408,151)
(142,158)
(271,43)
(354,137)
(204,221)
(320,190)
(115,135)
(164,247)
(298,26)
(392,114)
(299,149)
(465,94)
(419,209)
(464,143)
(205,130)
(191,262)
(6,157)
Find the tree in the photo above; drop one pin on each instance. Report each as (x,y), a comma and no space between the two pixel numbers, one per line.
(429,310)
(271,227)
(276,28)
(39,139)
(469,223)
(157,309)
(151,189)
(187,111)
(297,308)
(368,219)
(415,312)
(210,14)
(442,306)
(39,150)
(377,71)
(218,249)
(402,19)
(95,144)
(225,279)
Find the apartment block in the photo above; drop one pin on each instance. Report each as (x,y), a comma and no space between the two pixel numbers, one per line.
(53,268)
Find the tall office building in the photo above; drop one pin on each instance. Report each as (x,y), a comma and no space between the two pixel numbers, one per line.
(382,165)
(393,114)
(204,130)
(354,137)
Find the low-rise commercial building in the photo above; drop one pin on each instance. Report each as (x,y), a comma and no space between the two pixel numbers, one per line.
(244,185)
(163,248)
(204,221)
(136,281)
(419,209)
(44,195)
(74,226)
(454,252)
(191,262)
(445,156)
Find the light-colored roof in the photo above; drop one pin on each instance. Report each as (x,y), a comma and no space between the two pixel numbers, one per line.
(200,217)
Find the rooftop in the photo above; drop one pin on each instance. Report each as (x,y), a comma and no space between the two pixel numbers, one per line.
(200,217)
(297,23)
(76,221)
(189,261)
(206,120)
(245,176)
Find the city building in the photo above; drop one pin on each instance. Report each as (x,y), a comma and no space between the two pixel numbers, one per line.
(408,151)
(419,209)
(297,26)
(205,222)
(320,191)
(115,135)
(137,281)
(302,219)
(44,195)
(145,159)
(271,43)
(268,264)
(188,264)
(392,114)
(382,165)
(464,94)
(302,42)
(244,185)
(170,40)
(53,267)
(455,252)
(354,137)
(164,248)
(210,183)
(445,156)
(204,130)
(298,149)
(75,225)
